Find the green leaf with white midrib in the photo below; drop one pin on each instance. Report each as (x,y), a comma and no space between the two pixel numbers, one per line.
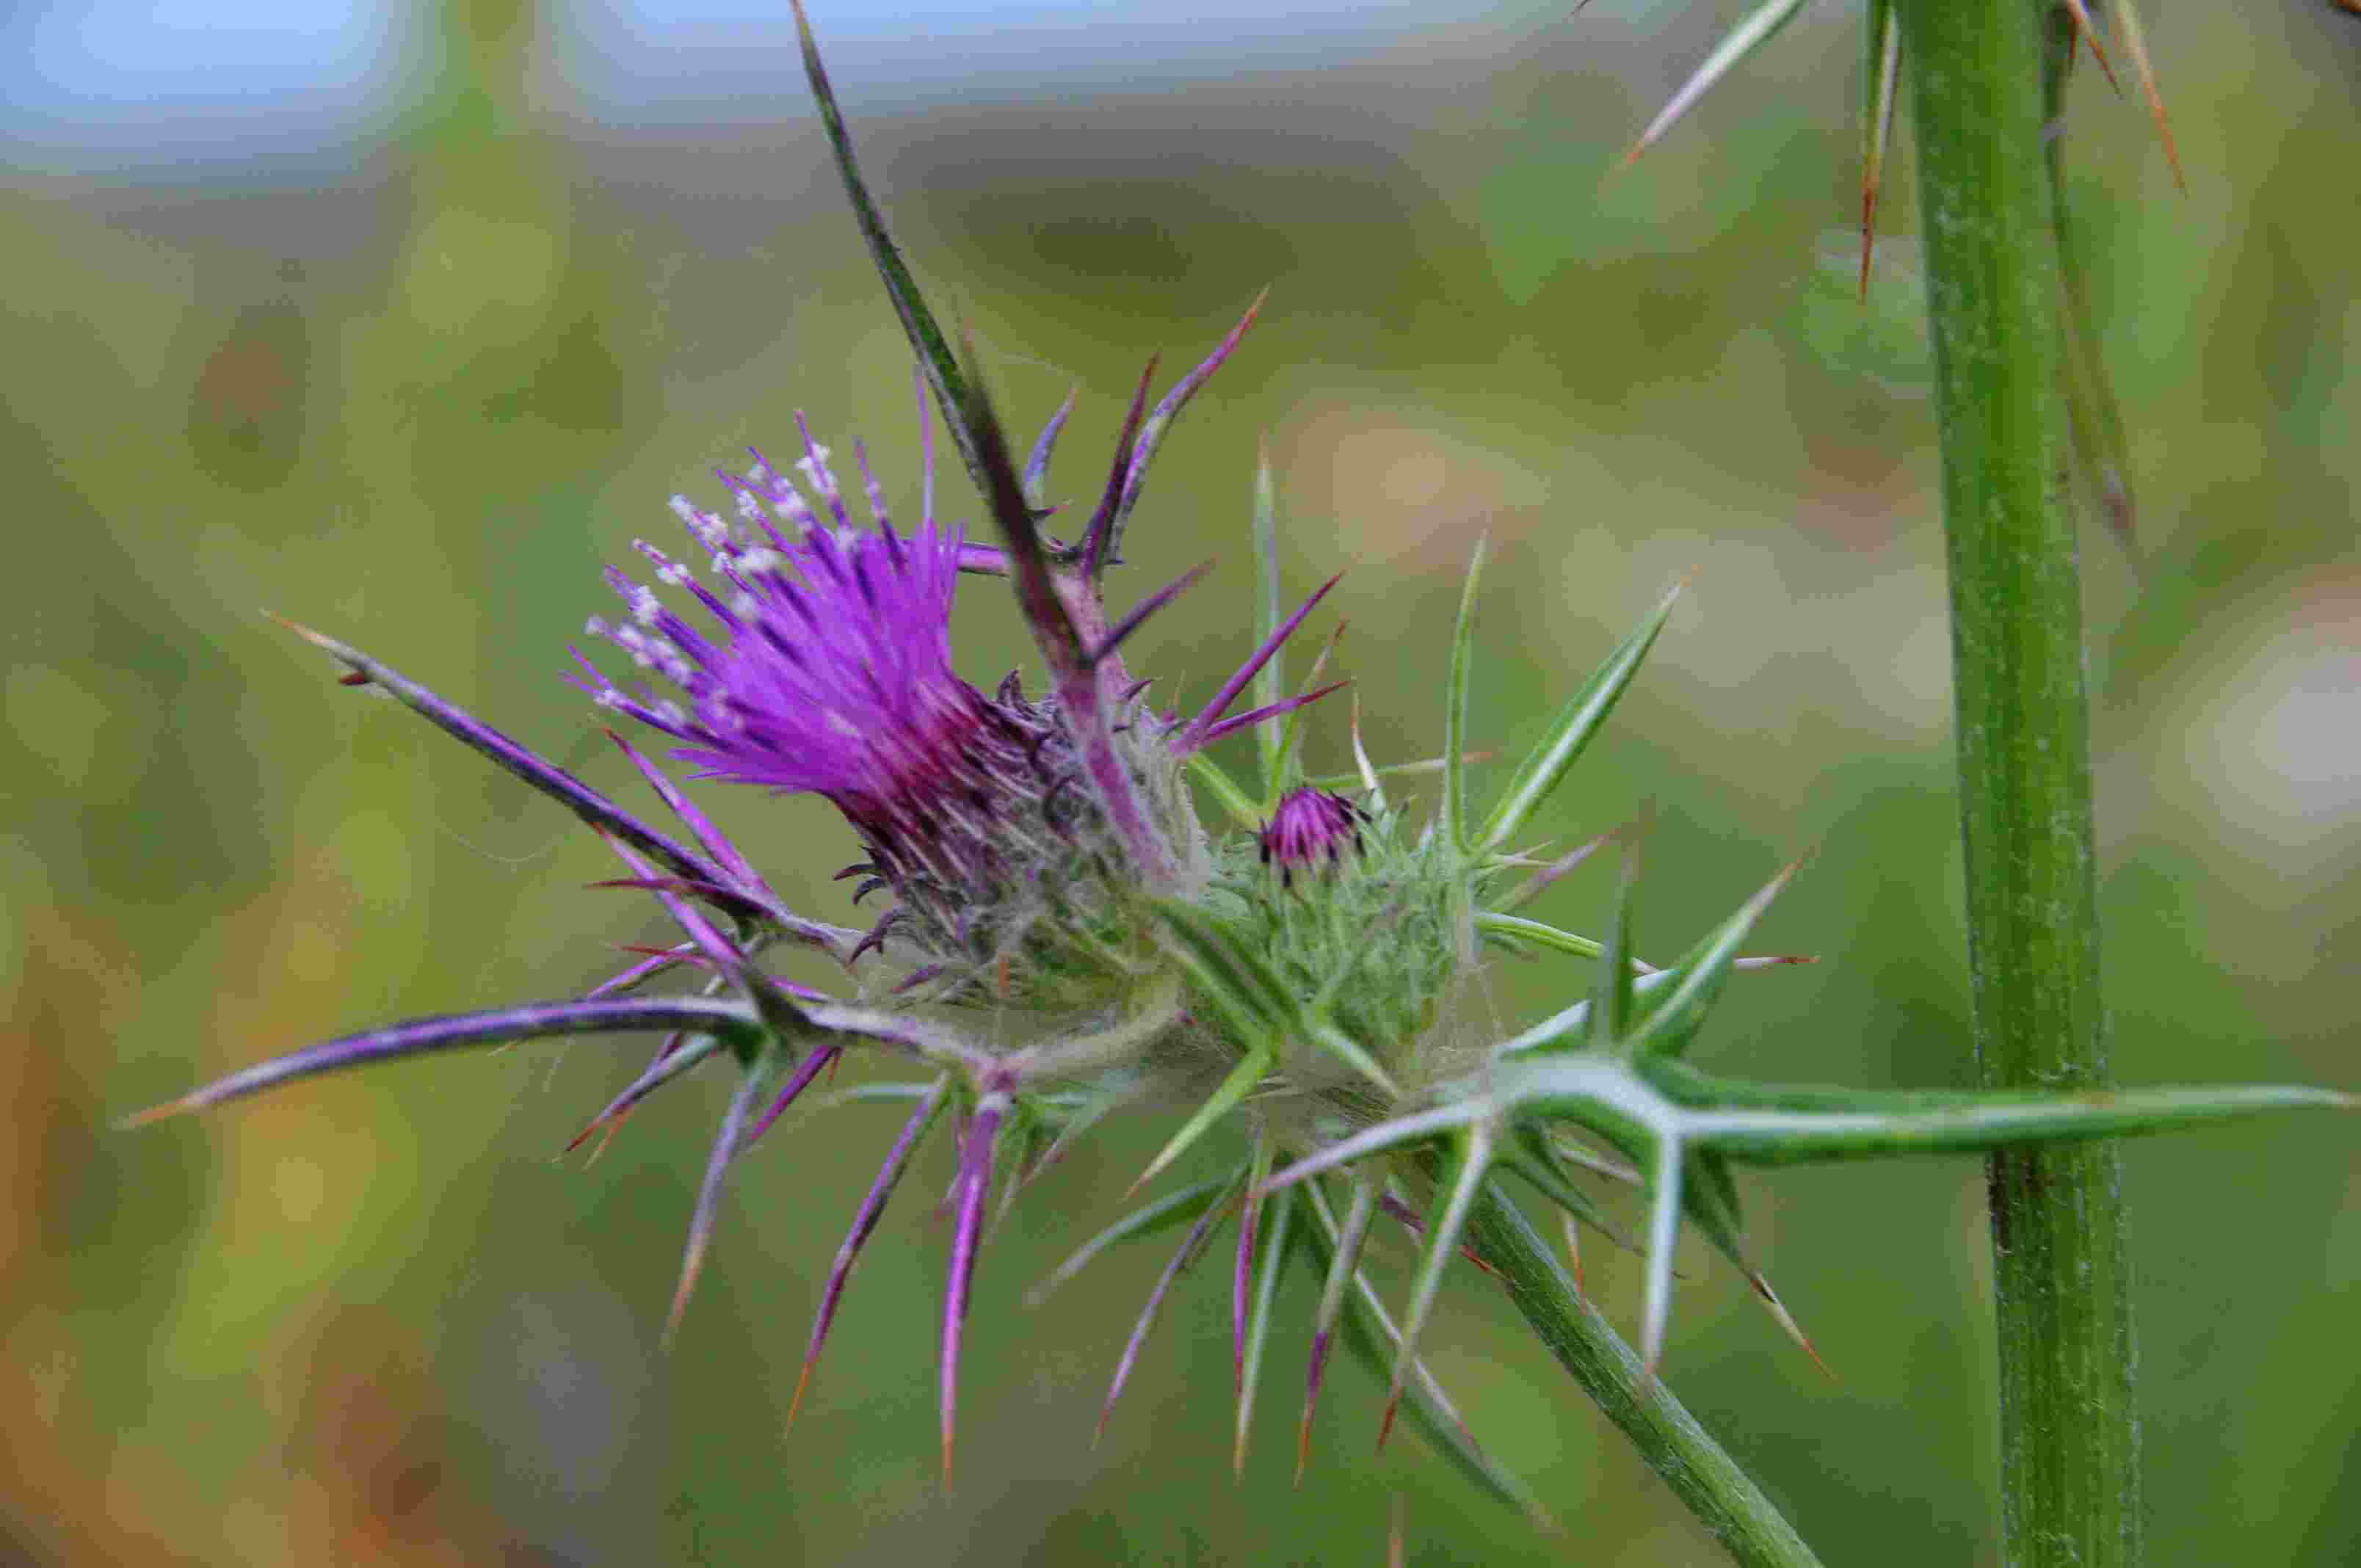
(1470,1163)
(1454,709)
(1667,1026)
(1541,1167)
(1226,964)
(1268,683)
(1742,41)
(1148,1219)
(1367,1332)
(936,360)
(1224,789)
(1545,766)
(1251,1070)
(1268,1266)
(1539,933)
(1786,1137)
(1614,997)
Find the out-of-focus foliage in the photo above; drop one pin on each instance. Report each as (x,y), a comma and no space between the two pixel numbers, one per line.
(418,402)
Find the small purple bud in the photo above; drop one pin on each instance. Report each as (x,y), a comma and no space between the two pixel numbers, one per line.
(1311,827)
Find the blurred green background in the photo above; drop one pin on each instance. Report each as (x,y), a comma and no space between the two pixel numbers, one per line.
(412,374)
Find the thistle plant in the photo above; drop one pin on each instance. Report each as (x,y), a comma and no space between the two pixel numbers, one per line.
(1084,913)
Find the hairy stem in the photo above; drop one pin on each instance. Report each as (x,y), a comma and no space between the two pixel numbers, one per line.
(2069,1437)
(1718,1492)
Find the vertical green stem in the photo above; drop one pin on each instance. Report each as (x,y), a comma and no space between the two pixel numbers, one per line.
(1728,1502)
(2069,1435)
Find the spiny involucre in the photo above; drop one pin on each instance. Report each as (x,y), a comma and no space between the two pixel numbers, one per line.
(1064,935)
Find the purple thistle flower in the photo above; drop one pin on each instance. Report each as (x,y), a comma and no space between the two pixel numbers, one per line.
(829,672)
(833,674)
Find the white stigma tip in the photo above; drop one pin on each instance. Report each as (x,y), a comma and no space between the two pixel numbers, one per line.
(703,526)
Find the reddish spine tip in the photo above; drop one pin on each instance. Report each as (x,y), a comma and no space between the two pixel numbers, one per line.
(796,1403)
(605,1143)
(155,1114)
(1868,235)
(680,1306)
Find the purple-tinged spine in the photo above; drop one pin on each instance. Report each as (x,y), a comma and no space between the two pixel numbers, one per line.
(1138,615)
(1098,547)
(669,1064)
(1182,1257)
(788,987)
(424,1037)
(1036,467)
(864,1221)
(974,1183)
(1151,433)
(1260,714)
(810,1067)
(716,842)
(722,895)
(1195,735)
(727,1144)
(1341,1268)
(1241,1284)
(654,962)
(1064,646)
(547,777)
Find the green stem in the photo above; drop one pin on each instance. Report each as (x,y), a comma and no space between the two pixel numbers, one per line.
(2070,1435)
(1718,1492)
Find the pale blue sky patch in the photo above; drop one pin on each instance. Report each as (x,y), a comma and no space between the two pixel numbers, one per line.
(169,81)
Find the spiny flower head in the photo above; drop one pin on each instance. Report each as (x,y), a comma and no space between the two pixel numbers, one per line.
(831,672)
(827,669)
